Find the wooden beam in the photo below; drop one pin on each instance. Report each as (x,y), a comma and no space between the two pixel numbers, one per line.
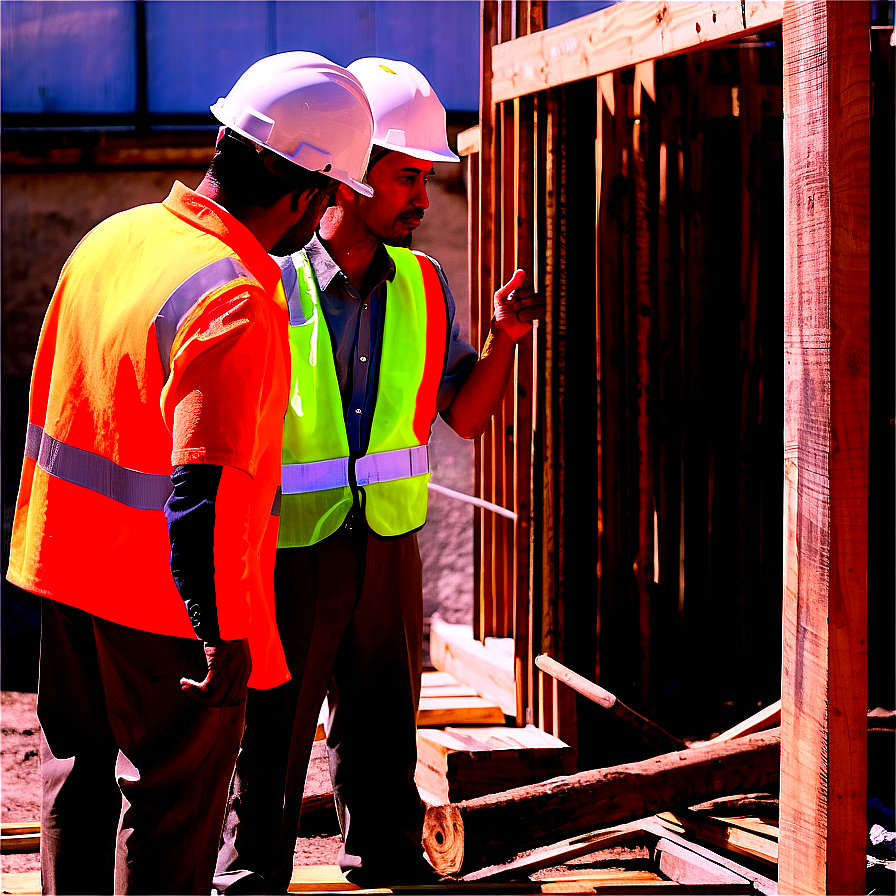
(649,731)
(487,669)
(826,343)
(468,141)
(621,36)
(461,837)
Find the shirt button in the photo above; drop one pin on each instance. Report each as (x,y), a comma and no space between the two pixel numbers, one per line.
(365,307)
(357,410)
(363,358)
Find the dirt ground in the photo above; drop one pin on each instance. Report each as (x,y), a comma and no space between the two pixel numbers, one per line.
(446,544)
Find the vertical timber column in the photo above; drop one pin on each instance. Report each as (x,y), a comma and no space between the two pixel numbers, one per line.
(483,616)
(826,336)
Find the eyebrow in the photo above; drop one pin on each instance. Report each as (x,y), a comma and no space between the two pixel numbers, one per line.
(411,170)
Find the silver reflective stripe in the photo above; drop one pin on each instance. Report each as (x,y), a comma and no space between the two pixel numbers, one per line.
(295,479)
(142,491)
(169,319)
(383,466)
(290,281)
(386,466)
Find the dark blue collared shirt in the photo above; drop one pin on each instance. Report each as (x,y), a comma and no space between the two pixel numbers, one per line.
(356,332)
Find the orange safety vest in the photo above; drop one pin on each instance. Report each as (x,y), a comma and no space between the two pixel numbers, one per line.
(146,294)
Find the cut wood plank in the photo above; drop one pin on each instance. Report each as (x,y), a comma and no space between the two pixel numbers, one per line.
(22,883)
(768,717)
(19,827)
(726,835)
(565,851)
(619,37)
(461,837)
(489,671)
(648,730)
(443,701)
(461,763)
(10,843)
(664,830)
(435,712)
(687,867)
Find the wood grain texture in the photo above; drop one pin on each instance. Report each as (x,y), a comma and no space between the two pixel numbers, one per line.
(473,834)
(826,319)
(621,36)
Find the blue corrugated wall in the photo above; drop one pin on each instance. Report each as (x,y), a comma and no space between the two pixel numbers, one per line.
(83,57)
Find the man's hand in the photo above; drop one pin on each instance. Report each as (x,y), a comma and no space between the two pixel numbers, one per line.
(229,665)
(515,308)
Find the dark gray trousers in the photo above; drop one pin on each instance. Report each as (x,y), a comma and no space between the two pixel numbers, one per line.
(350,615)
(134,772)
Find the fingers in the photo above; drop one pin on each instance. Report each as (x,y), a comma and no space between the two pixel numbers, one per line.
(513,283)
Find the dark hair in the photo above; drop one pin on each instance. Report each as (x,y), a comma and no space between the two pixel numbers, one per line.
(252,178)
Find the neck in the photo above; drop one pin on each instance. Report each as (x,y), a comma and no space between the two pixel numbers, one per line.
(350,245)
(257,220)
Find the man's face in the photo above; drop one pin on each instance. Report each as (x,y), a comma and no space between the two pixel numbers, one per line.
(399,198)
(299,234)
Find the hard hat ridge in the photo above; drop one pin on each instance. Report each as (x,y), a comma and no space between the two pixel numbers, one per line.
(408,115)
(306,109)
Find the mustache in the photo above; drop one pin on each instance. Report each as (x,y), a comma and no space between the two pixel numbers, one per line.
(414,215)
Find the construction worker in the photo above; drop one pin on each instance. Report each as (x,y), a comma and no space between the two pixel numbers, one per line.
(144,517)
(375,356)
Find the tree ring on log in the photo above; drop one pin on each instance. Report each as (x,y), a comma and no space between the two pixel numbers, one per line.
(443,838)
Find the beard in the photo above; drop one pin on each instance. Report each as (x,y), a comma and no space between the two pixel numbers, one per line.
(299,235)
(397,235)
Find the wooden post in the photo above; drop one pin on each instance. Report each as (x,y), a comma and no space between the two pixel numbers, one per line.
(826,320)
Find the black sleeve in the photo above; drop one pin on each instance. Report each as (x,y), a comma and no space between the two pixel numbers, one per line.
(190,512)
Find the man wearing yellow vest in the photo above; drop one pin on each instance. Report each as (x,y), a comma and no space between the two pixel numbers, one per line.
(375,355)
(144,518)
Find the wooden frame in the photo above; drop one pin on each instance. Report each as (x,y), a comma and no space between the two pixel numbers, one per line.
(826,91)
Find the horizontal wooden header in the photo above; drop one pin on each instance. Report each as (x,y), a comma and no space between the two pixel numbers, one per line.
(621,36)
(468,141)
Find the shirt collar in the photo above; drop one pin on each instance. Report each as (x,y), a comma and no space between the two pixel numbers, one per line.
(207,215)
(325,269)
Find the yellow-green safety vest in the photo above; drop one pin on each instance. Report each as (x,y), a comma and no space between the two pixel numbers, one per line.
(319,477)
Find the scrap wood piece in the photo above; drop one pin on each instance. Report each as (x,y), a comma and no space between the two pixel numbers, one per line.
(564,851)
(758,840)
(462,837)
(649,731)
(664,830)
(688,868)
(21,883)
(19,836)
(768,717)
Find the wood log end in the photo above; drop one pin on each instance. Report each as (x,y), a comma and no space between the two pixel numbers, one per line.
(443,838)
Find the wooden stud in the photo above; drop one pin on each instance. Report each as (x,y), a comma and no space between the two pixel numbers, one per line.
(826,321)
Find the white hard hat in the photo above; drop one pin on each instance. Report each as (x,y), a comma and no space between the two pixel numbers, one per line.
(409,117)
(306,109)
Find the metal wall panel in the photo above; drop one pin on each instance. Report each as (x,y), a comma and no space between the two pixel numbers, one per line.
(81,57)
(67,57)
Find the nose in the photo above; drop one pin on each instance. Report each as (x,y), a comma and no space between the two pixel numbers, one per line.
(421,199)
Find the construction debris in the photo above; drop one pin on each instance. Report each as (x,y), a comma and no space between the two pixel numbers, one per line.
(461,837)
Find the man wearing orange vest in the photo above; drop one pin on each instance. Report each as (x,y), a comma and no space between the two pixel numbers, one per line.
(146,512)
(375,355)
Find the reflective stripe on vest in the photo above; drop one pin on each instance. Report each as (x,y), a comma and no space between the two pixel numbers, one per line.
(382,466)
(133,488)
(318,493)
(179,304)
(142,491)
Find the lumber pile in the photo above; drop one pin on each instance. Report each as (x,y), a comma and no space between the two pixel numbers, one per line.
(456,764)
(459,837)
